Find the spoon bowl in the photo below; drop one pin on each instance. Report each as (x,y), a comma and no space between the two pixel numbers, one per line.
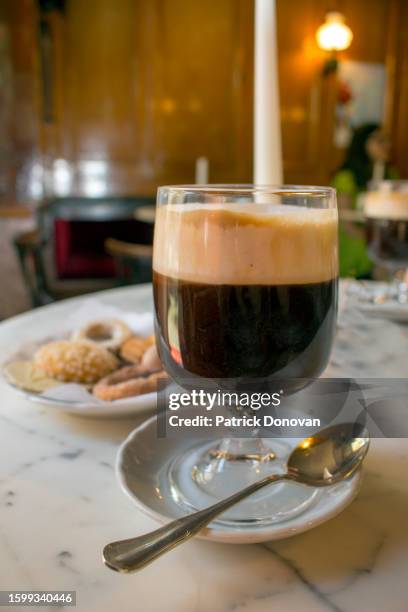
(329,456)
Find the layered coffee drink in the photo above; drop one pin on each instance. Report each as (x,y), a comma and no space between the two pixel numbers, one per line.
(387,227)
(245,291)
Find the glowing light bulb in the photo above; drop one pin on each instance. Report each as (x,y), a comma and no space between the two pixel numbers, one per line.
(334,35)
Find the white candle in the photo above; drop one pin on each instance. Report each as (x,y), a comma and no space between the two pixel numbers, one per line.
(201,170)
(378,172)
(267,132)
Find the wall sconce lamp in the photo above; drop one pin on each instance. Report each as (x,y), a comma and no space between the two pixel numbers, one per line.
(333,36)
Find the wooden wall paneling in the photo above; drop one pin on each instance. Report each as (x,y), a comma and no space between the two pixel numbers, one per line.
(205,104)
(19,122)
(51,134)
(399,129)
(308,99)
(99,73)
(147,86)
(391,53)
(300,65)
(150,85)
(370,23)
(244,79)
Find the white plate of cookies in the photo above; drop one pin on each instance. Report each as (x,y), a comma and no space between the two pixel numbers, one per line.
(105,367)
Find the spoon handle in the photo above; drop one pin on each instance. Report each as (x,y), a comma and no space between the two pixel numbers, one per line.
(133,554)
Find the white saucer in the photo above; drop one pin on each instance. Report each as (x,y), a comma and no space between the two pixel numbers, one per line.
(130,406)
(362,294)
(141,468)
(392,311)
(84,404)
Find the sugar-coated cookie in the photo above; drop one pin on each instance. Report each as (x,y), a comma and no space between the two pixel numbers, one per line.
(75,361)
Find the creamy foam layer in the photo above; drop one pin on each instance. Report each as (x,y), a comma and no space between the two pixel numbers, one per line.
(380,205)
(246,244)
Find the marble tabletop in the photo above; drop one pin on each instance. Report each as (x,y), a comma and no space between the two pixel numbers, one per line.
(60,503)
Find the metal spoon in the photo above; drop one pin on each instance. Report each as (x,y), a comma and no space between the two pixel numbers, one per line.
(330,456)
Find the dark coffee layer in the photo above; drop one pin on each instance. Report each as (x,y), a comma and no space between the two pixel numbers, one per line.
(244,331)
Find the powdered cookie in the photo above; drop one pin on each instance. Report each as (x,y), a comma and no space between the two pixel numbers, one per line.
(75,361)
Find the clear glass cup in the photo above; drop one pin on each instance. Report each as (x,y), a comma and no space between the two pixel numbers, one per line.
(245,291)
(386,212)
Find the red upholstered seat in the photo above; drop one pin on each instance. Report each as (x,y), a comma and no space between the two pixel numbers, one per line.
(79,245)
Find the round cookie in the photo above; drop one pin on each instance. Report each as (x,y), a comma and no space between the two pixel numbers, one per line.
(133,349)
(108,333)
(75,361)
